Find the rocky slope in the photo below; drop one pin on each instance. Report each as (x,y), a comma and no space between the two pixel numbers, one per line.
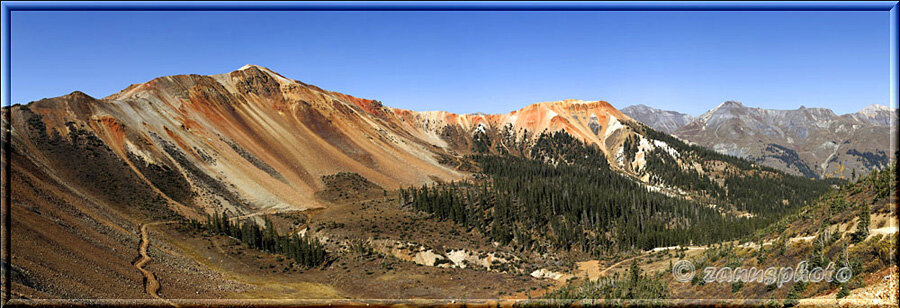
(662,120)
(813,142)
(253,139)
(876,115)
(244,141)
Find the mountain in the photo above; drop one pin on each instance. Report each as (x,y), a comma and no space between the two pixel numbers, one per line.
(876,115)
(661,120)
(179,161)
(264,140)
(813,142)
(257,138)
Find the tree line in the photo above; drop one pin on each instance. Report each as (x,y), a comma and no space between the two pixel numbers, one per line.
(558,193)
(634,285)
(306,251)
(760,190)
(564,196)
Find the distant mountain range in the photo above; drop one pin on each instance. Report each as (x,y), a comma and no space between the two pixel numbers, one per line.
(663,120)
(813,142)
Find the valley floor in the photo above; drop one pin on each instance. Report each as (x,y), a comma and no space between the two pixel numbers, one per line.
(350,275)
(378,249)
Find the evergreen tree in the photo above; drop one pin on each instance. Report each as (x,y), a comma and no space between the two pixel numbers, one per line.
(305,251)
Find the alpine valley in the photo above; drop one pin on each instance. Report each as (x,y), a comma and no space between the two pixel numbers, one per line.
(252,185)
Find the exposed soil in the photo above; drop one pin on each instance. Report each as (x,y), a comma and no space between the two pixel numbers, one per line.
(150,282)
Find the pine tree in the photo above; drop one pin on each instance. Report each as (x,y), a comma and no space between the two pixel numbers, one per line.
(862,228)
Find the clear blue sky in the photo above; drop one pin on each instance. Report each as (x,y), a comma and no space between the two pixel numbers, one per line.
(475,61)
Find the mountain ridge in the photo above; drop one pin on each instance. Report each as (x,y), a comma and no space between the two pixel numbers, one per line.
(268,127)
(253,140)
(664,120)
(781,129)
(841,145)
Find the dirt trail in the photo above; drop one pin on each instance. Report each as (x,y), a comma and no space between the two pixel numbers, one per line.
(592,269)
(607,269)
(151,285)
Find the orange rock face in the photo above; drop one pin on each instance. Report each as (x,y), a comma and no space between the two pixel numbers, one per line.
(268,139)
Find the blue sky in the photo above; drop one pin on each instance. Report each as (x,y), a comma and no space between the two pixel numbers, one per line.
(489,62)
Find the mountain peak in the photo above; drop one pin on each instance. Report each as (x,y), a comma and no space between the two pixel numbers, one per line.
(731,104)
(78,95)
(875,108)
(726,109)
(878,114)
(257,67)
(249,66)
(663,120)
(75,96)
(572,101)
(727,106)
(640,108)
